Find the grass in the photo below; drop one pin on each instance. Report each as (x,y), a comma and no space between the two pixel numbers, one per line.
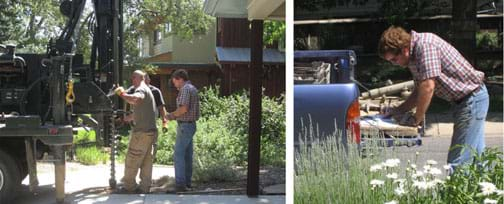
(86,154)
(84,136)
(91,155)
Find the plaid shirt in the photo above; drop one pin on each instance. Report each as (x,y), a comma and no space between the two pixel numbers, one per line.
(188,95)
(432,57)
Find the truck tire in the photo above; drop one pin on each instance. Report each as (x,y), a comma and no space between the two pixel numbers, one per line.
(9,177)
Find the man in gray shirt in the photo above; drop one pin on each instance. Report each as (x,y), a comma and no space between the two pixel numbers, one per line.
(143,135)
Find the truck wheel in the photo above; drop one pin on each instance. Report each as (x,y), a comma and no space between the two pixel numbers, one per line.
(9,177)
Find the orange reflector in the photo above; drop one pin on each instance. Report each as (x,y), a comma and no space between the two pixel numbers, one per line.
(352,123)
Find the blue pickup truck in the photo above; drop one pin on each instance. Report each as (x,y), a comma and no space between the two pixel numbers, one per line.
(326,103)
(326,100)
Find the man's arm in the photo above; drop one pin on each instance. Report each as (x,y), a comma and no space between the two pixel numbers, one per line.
(181,110)
(162,112)
(425,92)
(410,103)
(134,98)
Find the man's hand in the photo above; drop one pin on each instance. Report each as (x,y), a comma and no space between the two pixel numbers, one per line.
(119,91)
(165,125)
(409,120)
(170,116)
(390,111)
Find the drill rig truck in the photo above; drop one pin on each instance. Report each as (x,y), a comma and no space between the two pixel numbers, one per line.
(42,97)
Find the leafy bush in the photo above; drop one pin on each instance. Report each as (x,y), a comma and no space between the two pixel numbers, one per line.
(229,117)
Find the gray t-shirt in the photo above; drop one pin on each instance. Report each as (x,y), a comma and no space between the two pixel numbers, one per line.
(144,113)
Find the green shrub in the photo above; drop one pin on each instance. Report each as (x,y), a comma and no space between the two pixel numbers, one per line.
(229,116)
(91,155)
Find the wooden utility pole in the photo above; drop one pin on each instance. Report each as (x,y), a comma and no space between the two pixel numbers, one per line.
(256,70)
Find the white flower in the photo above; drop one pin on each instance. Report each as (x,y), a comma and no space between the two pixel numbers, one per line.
(499,192)
(422,185)
(487,188)
(430,184)
(447,167)
(489,201)
(417,174)
(427,167)
(400,181)
(391,202)
(438,181)
(431,162)
(392,176)
(391,162)
(376,167)
(433,171)
(413,166)
(399,191)
(376,183)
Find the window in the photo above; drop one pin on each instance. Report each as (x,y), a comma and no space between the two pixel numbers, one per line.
(140,46)
(168,28)
(157,37)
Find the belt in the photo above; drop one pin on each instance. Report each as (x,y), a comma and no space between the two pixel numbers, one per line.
(178,121)
(468,95)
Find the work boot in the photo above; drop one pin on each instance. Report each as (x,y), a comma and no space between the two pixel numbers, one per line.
(189,187)
(122,190)
(180,188)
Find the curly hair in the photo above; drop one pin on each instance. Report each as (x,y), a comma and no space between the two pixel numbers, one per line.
(393,40)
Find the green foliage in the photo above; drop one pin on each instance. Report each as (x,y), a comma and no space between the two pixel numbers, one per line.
(91,155)
(84,136)
(397,11)
(487,40)
(31,24)
(230,114)
(274,31)
(10,24)
(463,185)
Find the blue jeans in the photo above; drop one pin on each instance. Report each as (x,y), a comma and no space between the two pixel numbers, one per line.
(468,127)
(184,153)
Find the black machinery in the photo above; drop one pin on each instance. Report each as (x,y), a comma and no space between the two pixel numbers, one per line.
(42,95)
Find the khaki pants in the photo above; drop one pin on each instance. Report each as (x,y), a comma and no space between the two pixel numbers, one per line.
(139,155)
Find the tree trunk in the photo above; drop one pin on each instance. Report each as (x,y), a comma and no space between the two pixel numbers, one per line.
(464,25)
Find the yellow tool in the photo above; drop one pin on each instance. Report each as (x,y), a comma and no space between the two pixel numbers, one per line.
(70,97)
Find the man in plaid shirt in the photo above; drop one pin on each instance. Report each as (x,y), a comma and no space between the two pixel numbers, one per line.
(186,114)
(438,68)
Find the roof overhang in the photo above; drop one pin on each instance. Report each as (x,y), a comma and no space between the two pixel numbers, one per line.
(251,9)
